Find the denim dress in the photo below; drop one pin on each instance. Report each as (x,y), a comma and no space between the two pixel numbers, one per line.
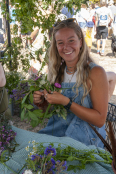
(73,126)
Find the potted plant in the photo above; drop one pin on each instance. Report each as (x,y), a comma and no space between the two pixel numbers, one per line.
(13,79)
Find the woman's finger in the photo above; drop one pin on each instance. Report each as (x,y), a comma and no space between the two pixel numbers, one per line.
(45,94)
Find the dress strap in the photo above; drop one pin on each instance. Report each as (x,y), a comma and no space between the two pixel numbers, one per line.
(92,65)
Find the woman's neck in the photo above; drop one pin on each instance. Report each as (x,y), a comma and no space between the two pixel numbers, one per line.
(70,69)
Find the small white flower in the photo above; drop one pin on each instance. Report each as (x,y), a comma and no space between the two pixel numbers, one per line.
(33,142)
(57,110)
(29,142)
(27,148)
(34,148)
(42,82)
(29,155)
(28,172)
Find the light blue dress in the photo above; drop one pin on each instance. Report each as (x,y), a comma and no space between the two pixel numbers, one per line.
(73,126)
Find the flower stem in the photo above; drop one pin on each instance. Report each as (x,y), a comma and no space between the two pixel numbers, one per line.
(9,168)
(92,160)
(46,112)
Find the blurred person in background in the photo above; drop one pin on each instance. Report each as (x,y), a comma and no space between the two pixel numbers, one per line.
(103,15)
(83,16)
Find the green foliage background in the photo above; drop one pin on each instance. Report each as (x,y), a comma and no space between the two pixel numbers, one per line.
(31,13)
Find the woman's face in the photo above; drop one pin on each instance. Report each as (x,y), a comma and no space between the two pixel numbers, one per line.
(68,44)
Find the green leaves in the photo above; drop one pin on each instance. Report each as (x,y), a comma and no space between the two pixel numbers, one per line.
(22,114)
(70,158)
(32,116)
(24,99)
(29,107)
(38,116)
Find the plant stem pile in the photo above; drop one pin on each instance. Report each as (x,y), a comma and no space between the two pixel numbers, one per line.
(48,160)
(45,161)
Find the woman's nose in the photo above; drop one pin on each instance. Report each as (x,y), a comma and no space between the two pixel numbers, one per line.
(65,46)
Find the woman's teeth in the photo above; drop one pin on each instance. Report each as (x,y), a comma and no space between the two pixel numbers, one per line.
(69,52)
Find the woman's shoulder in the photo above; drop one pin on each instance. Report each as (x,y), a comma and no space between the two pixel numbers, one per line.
(97,72)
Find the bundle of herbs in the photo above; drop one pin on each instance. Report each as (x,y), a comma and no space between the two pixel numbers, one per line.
(37,116)
(55,159)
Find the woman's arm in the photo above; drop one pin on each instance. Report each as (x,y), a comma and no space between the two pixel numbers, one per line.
(2,77)
(99,98)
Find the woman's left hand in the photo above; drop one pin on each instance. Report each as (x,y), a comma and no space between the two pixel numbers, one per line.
(56,98)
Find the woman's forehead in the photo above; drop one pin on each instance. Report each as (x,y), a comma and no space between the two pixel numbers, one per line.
(65,33)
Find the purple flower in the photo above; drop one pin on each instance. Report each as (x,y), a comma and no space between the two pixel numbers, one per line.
(3,136)
(64,163)
(0,143)
(39,167)
(40,156)
(8,139)
(57,85)
(50,150)
(11,96)
(37,78)
(33,157)
(66,167)
(53,161)
(15,134)
(50,170)
(2,148)
(58,161)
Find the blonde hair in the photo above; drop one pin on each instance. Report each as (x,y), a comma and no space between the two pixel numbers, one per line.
(56,70)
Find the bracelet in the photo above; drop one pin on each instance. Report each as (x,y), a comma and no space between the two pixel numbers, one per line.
(68,105)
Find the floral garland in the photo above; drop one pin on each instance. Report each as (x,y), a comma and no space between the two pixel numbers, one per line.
(37,116)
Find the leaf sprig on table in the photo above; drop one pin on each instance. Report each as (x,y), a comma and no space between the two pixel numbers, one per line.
(37,116)
(7,143)
(37,160)
(7,139)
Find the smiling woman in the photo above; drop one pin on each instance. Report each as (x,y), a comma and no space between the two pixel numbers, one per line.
(84,87)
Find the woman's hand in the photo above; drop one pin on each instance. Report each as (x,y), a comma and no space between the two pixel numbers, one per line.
(56,98)
(38,97)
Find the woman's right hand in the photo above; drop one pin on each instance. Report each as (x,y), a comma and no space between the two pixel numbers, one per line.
(38,97)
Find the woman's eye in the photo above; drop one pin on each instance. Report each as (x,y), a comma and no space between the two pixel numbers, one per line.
(71,40)
(60,43)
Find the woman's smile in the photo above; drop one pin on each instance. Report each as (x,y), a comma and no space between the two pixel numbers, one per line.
(68,52)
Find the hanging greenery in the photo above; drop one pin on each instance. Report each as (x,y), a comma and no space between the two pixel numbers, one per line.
(30,14)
